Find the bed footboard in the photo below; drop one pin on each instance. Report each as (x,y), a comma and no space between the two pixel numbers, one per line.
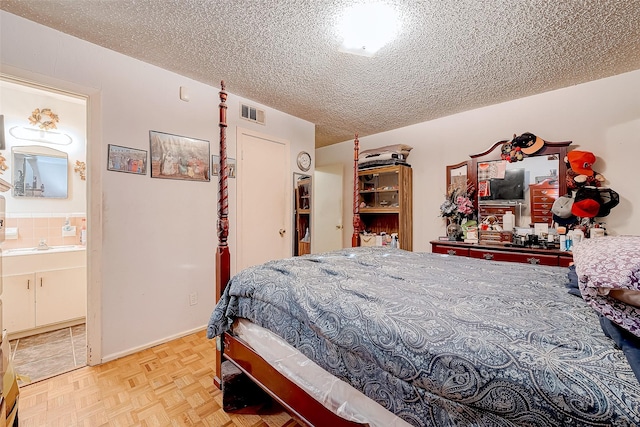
(293,398)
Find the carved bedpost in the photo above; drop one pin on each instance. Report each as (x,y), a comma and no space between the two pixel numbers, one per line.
(223,260)
(355,238)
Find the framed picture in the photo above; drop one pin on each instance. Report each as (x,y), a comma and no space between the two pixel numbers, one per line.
(215,165)
(179,157)
(231,164)
(125,159)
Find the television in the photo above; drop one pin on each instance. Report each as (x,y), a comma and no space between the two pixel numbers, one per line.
(511,187)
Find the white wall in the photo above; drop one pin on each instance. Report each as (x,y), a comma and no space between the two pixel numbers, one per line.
(151,241)
(602,116)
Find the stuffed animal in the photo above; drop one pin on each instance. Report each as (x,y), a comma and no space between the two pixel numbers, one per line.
(575,180)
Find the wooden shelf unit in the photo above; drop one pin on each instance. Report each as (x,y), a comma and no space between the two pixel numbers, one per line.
(303,216)
(385,196)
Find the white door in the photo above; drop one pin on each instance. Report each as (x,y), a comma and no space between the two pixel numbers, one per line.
(327,209)
(264,195)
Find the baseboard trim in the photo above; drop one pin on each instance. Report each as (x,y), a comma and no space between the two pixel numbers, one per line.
(118,355)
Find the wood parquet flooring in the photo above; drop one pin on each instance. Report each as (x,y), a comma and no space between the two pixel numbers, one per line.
(167,385)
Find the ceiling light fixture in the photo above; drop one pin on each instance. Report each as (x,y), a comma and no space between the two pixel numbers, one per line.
(39,135)
(365,28)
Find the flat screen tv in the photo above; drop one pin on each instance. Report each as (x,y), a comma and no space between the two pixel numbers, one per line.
(509,188)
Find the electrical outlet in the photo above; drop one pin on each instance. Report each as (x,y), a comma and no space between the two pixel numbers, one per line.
(193,298)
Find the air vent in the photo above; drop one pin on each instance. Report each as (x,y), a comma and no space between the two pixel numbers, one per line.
(252,114)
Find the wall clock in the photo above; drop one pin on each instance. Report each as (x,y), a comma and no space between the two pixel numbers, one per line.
(304,161)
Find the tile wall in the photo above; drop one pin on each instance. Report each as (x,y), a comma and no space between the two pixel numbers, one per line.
(32,228)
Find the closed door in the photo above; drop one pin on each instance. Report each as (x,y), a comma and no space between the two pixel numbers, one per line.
(264,194)
(327,208)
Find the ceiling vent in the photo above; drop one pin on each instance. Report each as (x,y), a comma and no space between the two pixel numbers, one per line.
(252,114)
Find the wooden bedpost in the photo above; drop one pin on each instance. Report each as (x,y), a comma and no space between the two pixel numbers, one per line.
(355,238)
(223,260)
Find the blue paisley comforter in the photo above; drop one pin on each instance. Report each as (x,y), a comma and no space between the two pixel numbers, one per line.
(442,340)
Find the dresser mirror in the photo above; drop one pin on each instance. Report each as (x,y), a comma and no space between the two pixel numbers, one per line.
(506,186)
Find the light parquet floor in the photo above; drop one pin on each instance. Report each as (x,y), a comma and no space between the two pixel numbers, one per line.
(167,385)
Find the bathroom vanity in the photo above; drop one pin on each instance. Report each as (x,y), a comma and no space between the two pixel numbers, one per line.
(43,289)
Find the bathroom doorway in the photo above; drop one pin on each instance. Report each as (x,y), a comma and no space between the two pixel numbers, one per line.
(43,159)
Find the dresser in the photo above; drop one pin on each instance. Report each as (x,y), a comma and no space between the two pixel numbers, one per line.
(542,196)
(503,253)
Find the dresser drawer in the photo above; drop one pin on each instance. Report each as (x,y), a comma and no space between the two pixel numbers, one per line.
(491,255)
(496,210)
(543,199)
(551,192)
(546,219)
(449,250)
(542,206)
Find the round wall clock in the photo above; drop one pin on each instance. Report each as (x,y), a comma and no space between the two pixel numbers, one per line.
(304,161)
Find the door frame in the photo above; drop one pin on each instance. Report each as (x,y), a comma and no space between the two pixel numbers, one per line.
(93,160)
(331,169)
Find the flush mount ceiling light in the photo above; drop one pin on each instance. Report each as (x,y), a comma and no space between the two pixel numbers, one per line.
(365,28)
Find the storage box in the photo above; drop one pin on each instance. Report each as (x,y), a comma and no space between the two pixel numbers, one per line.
(367,239)
(495,237)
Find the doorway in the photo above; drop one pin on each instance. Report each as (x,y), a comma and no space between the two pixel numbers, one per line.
(263,185)
(45,307)
(327,213)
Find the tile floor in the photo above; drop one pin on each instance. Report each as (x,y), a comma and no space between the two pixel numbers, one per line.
(51,353)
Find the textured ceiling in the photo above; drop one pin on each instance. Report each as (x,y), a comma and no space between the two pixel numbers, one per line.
(451,55)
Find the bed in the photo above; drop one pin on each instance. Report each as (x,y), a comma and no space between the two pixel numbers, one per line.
(432,339)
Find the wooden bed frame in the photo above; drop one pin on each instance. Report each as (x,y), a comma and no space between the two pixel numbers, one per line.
(293,398)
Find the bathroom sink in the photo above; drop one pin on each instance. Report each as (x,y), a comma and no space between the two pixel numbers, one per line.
(39,250)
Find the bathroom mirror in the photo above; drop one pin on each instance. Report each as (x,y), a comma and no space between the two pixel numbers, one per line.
(40,172)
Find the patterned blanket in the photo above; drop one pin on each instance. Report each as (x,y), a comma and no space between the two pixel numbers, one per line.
(442,340)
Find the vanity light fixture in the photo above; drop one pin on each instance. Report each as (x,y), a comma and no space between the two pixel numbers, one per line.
(365,28)
(38,135)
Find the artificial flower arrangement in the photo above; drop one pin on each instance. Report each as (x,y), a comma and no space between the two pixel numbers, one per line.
(458,210)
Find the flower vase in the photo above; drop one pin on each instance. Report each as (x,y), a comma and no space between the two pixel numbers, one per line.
(453,230)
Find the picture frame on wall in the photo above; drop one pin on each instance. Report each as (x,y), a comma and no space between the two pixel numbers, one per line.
(125,159)
(215,166)
(179,157)
(231,164)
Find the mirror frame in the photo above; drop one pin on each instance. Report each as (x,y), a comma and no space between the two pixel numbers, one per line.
(452,168)
(549,148)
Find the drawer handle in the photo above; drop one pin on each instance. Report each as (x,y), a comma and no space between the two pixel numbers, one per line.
(487,256)
(28,283)
(451,252)
(543,191)
(41,282)
(533,260)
